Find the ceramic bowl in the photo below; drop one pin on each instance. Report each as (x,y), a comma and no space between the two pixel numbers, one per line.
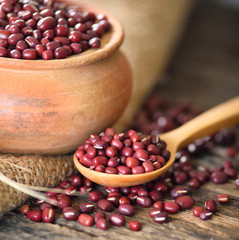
(50,107)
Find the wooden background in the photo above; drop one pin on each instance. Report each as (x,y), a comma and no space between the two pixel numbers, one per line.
(204,70)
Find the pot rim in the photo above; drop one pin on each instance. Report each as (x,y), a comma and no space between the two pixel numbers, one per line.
(111,41)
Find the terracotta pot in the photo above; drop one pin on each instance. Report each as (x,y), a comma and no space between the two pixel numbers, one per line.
(50,107)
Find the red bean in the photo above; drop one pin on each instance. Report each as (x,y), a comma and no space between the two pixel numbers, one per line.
(49,34)
(135,189)
(197,211)
(134,225)
(113,190)
(27,31)
(171,207)
(86,219)
(201,177)
(205,215)
(86,207)
(126,209)
(132,162)
(160,187)
(123,170)
(223,198)
(137,170)
(13,39)
(155,212)
(117,219)
(60,53)
(117,143)
(4,34)
(127,143)
(99,215)
(219,177)
(185,202)
(138,145)
(126,151)
(102,224)
(44,205)
(144,201)
(40,49)
(148,166)
(76,181)
(70,214)
(177,192)
(111,170)
(211,206)
(3,52)
(158,205)
(85,189)
(124,200)
(64,201)
(47,55)
(29,54)
(114,200)
(34,215)
(143,193)
(69,191)
(48,215)
(61,30)
(105,205)
(153,149)
(180,178)
(132,197)
(161,218)
(95,42)
(46,23)
(230,172)
(111,151)
(53,45)
(113,162)
(227,164)
(25,209)
(62,40)
(95,196)
(125,190)
(141,154)
(3,43)
(194,183)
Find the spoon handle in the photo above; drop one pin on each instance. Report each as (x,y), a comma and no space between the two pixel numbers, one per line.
(209,122)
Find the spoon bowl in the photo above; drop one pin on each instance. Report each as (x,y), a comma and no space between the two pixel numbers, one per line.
(221,116)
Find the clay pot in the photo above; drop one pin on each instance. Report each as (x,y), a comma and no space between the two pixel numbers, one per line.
(51,107)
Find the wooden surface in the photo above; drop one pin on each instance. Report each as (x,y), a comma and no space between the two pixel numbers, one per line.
(205,71)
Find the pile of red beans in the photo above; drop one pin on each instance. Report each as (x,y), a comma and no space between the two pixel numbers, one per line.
(116,206)
(123,153)
(47,29)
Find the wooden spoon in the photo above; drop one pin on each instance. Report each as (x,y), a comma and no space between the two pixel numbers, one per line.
(207,123)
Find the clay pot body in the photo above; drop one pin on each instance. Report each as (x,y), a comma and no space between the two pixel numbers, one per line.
(50,107)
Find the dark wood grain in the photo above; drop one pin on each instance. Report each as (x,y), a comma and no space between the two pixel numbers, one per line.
(204,70)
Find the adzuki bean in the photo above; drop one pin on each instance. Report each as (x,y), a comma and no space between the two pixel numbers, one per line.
(134,225)
(86,219)
(197,211)
(223,198)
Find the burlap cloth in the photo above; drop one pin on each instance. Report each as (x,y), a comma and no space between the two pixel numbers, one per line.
(152,29)
(32,170)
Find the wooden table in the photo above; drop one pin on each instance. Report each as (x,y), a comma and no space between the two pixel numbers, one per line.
(204,70)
